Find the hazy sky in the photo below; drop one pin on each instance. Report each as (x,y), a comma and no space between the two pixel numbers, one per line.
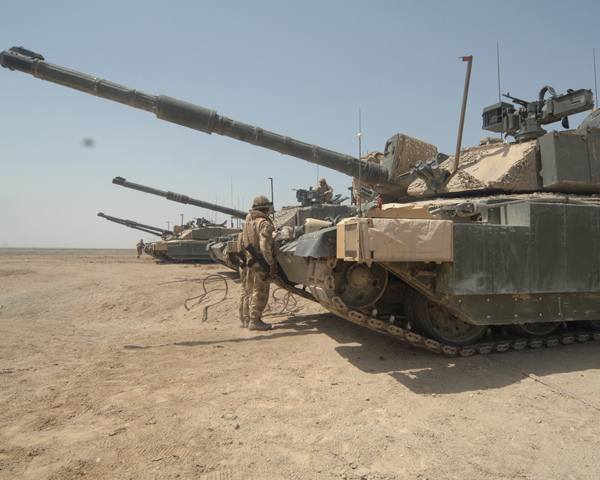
(302,69)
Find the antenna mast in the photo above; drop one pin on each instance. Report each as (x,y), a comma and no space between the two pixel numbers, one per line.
(360,166)
(498,58)
(595,79)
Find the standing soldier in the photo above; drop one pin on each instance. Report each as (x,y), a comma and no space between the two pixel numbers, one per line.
(258,233)
(325,191)
(140,247)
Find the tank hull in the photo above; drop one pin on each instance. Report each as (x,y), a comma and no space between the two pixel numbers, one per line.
(532,264)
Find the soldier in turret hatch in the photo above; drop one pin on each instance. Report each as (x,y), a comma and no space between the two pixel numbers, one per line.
(325,191)
(140,247)
(257,233)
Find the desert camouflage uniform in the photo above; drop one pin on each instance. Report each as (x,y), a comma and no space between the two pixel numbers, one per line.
(140,247)
(244,306)
(258,231)
(322,188)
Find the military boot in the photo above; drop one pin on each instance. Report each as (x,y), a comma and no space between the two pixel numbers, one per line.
(258,324)
(244,322)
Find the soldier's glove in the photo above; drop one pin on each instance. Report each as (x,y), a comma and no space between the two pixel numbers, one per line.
(273,271)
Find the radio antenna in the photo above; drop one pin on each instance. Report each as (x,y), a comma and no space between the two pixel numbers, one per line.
(498,58)
(595,79)
(359,165)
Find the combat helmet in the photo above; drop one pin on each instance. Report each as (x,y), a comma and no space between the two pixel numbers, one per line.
(261,202)
(322,180)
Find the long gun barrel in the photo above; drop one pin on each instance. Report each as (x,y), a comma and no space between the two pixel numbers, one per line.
(159,232)
(178,197)
(191,116)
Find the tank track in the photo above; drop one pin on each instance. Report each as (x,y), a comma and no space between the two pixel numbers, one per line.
(321,285)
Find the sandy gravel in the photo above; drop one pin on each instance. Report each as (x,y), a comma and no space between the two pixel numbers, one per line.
(104,374)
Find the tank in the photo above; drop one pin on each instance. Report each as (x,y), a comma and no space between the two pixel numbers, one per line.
(190,243)
(222,246)
(186,243)
(217,242)
(488,250)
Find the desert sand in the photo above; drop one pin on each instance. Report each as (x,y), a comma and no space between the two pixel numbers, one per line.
(105,374)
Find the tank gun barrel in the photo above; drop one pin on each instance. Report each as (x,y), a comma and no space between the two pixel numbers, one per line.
(178,197)
(159,232)
(189,115)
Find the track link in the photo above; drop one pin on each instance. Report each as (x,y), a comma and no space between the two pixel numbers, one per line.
(321,286)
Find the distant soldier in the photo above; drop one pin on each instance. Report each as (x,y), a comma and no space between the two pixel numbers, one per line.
(258,233)
(140,247)
(325,191)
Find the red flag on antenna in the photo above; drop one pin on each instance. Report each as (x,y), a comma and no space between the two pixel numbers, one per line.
(466,59)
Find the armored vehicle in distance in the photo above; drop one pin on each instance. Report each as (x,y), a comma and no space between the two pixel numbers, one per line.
(185,243)
(492,249)
(189,243)
(222,244)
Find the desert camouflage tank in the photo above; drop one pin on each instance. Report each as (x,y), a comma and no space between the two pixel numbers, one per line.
(491,249)
(189,242)
(186,243)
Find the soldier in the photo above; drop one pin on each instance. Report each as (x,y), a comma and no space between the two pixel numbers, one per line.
(140,247)
(325,191)
(258,232)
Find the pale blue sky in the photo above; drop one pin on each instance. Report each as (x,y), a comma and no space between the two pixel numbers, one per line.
(302,69)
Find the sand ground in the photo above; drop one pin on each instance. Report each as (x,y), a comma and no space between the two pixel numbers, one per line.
(105,374)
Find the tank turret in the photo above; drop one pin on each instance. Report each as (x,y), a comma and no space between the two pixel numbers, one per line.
(405,160)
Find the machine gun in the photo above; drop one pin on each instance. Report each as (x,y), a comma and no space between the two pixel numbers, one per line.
(525,123)
(255,257)
(311,197)
(159,232)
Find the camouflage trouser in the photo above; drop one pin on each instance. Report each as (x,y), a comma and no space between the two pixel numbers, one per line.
(243,309)
(139,249)
(257,291)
